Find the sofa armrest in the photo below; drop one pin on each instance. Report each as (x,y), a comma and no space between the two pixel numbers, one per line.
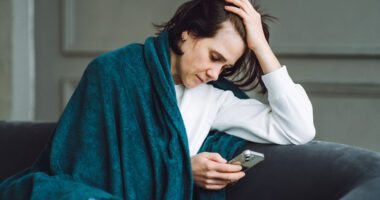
(317,170)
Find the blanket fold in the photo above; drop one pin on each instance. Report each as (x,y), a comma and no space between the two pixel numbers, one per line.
(121,136)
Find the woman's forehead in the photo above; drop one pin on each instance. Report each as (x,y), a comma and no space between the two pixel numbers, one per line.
(228,42)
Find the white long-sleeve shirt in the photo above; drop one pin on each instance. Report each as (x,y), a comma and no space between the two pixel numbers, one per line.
(288,119)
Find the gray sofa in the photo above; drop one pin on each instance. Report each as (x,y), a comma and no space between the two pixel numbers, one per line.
(317,170)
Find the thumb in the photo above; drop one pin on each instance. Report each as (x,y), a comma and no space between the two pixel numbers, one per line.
(216,157)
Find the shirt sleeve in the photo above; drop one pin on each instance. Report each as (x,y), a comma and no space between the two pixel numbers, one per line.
(288,119)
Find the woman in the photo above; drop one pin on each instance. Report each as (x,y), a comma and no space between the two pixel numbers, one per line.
(224,44)
(140,116)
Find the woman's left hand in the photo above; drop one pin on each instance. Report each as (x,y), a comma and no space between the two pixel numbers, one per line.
(252,22)
(256,40)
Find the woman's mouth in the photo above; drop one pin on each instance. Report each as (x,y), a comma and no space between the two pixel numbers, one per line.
(199,78)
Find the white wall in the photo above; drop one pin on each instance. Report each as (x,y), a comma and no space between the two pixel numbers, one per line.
(17,60)
(5,61)
(23,63)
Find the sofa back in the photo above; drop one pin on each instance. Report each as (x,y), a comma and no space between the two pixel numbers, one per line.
(21,143)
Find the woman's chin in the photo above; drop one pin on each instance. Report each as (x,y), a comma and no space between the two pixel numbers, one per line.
(191,84)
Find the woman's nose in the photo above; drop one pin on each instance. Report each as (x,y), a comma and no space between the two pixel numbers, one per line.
(213,73)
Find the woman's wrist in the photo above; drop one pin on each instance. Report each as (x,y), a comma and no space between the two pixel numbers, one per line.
(266,57)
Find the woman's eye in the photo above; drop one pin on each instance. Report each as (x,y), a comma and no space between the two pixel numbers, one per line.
(226,67)
(214,58)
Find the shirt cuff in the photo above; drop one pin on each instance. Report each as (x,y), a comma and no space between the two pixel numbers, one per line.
(277,82)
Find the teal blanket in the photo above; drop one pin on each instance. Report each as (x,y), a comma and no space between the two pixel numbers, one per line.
(121,135)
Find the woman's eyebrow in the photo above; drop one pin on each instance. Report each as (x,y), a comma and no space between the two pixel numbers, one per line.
(222,58)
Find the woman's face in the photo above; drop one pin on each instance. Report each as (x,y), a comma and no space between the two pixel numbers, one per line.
(204,59)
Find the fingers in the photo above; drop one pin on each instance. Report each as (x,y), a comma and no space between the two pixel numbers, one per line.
(242,4)
(216,184)
(226,167)
(243,8)
(229,177)
(214,181)
(214,187)
(237,11)
(215,157)
(211,171)
(219,164)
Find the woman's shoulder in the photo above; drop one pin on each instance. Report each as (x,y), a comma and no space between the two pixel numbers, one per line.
(129,55)
(121,55)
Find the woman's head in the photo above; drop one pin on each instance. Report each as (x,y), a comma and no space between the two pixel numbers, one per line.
(202,19)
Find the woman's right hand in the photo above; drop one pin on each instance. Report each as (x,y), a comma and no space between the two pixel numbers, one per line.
(212,172)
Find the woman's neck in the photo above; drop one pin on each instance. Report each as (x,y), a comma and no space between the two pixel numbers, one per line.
(174,68)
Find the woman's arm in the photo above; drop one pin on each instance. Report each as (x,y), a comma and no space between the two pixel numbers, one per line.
(288,119)
(256,40)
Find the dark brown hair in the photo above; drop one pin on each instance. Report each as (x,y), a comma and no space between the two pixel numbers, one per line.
(203,18)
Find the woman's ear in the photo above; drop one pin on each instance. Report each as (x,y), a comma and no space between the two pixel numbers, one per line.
(184,36)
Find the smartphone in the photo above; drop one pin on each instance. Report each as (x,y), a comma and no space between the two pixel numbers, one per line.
(247,159)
